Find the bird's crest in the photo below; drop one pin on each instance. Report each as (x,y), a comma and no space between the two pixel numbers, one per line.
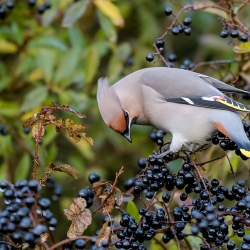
(110,106)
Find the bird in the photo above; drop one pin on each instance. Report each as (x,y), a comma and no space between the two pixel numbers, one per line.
(189,105)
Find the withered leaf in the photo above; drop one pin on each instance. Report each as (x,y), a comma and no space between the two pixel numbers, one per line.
(68,109)
(79,215)
(25,245)
(88,139)
(119,196)
(39,247)
(99,186)
(44,237)
(30,121)
(78,127)
(45,178)
(37,130)
(104,234)
(69,123)
(75,136)
(65,168)
(108,203)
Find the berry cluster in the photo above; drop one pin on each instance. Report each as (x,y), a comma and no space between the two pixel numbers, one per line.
(180,28)
(234,33)
(18,220)
(5,8)
(227,144)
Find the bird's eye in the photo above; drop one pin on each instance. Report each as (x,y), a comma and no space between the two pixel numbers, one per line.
(125,114)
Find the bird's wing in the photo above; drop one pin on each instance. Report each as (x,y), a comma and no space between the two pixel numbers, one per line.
(185,87)
(222,86)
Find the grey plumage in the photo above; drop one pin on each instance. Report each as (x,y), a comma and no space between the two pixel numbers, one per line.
(189,105)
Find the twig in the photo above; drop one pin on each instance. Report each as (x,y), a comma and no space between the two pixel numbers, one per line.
(203,163)
(162,57)
(188,244)
(50,233)
(87,238)
(231,167)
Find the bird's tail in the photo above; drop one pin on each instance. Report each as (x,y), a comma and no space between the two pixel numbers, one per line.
(235,131)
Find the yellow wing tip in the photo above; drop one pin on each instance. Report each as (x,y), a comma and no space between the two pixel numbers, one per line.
(245,152)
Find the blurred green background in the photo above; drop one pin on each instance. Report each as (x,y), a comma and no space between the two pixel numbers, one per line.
(59,55)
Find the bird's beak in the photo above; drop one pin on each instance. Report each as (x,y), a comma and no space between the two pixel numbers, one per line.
(127,135)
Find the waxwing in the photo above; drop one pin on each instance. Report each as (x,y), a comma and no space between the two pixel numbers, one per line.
(189,105)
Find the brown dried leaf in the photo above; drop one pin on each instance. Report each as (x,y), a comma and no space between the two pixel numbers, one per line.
(66,168)
(88,139)
(104,234)
(75,136)
(25,245)
(68,109)
(107,203)
(39,247)
(119,196)
(45,178)
(37,130)
(69,123)
(98,187)
(78,127)
(52,166)
(79,215)
(44,237)
(30,121)
(246,66)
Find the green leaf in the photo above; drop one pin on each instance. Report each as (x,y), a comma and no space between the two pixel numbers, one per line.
(124,51)
(34,98)
(51,154)
(74,12)
(23,167)
(9,109)
(49,15)
(115,67)
(7,47)
(242,48)
(45,62)
(107,26)
(6,146)
(47,42)
(68,64)
(92,64)
(133,211)
(50,135)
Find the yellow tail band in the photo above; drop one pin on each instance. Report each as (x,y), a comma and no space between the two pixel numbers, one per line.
(245,152)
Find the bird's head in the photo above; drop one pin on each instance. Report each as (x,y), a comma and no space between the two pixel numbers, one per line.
(112,111)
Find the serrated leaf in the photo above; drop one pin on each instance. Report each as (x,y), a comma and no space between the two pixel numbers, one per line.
(7,47)
(68,170)
(242,48)
(30,121)
(80,216)
(92,64)
(44,237)
(111,11)
(133,211)
(104,234)
(37,130)
(74,12)
(34,98)
(119,196)
(88,139)
(108,204)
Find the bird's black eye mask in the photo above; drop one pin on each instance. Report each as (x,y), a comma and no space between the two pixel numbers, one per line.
(129,124)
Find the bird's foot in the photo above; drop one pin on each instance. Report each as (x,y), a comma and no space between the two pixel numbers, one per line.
(166,155)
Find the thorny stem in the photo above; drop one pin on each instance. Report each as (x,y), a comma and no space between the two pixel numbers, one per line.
(117,175)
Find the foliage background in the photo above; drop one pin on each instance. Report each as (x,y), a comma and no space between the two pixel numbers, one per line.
(59,56)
